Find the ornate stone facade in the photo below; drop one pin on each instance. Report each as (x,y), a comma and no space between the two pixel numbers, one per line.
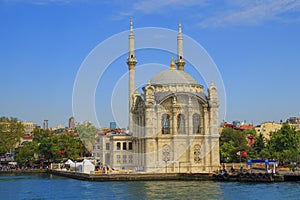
(173,122)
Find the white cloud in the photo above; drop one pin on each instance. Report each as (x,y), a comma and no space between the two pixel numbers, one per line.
(42,2)
(253,12)
(159,36)
(206,13)
(151,6)
(135,7)
(211,13)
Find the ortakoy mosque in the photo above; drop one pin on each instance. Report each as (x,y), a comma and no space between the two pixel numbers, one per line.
(173,122)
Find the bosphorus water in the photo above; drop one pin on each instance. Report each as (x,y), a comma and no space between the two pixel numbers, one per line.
(45,186)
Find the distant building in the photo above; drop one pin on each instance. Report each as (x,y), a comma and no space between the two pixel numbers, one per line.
(45,125)
(267,127)
(239,126)
(25,139)
(98,142)
(246,127)
(115,150)
(97,146)
(59,129)
(294,122)
(28,127)
(71,123)
(236,123)
(112,125)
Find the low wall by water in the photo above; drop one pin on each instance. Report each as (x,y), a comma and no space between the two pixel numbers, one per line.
(131,176)
(140,176)
(23,171)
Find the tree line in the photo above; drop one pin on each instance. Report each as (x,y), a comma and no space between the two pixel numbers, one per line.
(49,147)
(46,146)
(11,130)
(282,146)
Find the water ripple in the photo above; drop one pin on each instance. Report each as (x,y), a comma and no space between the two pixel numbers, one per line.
(44,187)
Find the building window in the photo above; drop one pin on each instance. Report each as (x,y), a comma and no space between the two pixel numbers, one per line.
(180,124)
(197,154)
(107,146)
(165,123)
(94,147)
(124,145)
(118,145)
(130,146)
(118,159)
(98,147)
(130,159)
(196,123)
(124,159)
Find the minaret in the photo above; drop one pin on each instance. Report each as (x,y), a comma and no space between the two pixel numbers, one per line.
(131,62)
(213,109)
(180,62)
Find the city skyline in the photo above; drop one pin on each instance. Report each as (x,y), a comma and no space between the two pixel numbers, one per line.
(44,43)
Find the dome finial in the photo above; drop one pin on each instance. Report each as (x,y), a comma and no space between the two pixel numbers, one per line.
(172,64)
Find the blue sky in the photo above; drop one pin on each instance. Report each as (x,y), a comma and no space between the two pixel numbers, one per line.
(43,43)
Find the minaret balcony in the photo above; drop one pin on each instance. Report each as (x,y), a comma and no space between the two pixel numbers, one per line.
(131,62)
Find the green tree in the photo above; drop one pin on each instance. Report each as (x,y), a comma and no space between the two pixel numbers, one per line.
(231,142)
(226,150)
(284,143)
(259,144)
(71,147)
(250,132)
(47,146)
(26,155)
(2,151)
(41,135)
(86,132)
(11,131)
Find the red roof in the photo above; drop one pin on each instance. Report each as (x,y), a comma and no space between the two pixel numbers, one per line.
(27,137)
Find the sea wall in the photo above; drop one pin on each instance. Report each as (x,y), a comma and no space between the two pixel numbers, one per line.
(132,176)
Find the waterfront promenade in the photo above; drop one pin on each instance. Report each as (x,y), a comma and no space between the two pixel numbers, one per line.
(246,177)
(140,176)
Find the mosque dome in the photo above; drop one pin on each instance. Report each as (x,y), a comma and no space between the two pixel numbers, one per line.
(172,77)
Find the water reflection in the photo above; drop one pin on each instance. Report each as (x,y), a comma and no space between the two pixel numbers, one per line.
(182,190)
(54,187)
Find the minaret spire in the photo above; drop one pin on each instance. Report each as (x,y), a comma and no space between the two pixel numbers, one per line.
(131,62)
(131,40)
(180,62)
(131,29)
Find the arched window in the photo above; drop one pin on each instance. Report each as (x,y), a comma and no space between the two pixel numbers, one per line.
(196,123)
(165,123)
(197,153)
(180,124)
